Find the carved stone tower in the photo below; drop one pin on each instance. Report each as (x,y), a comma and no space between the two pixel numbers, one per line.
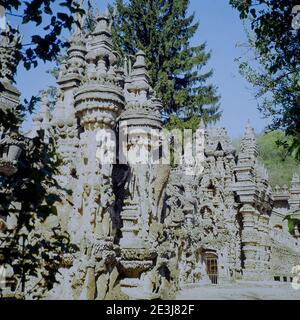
(254,195)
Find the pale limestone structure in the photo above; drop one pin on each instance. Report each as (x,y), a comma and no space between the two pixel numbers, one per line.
(146,230)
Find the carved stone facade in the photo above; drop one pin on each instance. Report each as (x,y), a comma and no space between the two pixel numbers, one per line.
(145,230)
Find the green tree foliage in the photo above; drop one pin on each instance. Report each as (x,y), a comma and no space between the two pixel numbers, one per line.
(281,166)
(47,17)
(176,123)
(163,30)
(292,224)
(48,20)
(32,247)
(274,67)
(32,243)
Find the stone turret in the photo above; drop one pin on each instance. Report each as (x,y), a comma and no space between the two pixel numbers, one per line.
(254,192)
(245,178)
(248,144)
(99,100)
(140,126)
(71,76)
(90,100)
(142,115)
(72,72)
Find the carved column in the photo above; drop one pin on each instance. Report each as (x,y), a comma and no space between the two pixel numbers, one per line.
(264,220)
(250,242)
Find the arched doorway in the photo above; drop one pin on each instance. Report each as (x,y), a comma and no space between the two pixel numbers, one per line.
(211,263)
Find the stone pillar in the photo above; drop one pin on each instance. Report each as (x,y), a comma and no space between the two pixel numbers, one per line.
(250,244)
(140,125)
(98,103)
(130,230)
(93,105)
(265,266)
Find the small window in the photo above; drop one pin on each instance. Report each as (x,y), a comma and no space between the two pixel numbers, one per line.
(276,278)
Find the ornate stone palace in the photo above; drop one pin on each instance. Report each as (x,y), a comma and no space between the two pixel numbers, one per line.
(146,230)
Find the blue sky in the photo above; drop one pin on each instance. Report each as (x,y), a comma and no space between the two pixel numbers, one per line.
(222,29)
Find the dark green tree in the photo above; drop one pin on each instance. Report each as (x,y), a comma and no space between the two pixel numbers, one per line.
(49,20)
(163,30)
(273,67)
(32,247)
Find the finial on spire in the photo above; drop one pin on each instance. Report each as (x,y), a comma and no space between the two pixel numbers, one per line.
(249,131)
(140,59)
(104,23)
(248,143)
(79,19)
(139,74)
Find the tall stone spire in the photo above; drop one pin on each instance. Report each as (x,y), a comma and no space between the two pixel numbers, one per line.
(245,168)
(71,75)
(72,71)
(140,123)
(248,144)
(98,103)
(139,84)
(254,194)
(100,100)
(79,21)
(141,103)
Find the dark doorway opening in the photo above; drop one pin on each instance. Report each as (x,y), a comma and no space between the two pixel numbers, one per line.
(211,262)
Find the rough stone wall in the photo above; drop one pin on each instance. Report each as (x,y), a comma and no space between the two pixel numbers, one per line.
(208,212)
(284,255)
